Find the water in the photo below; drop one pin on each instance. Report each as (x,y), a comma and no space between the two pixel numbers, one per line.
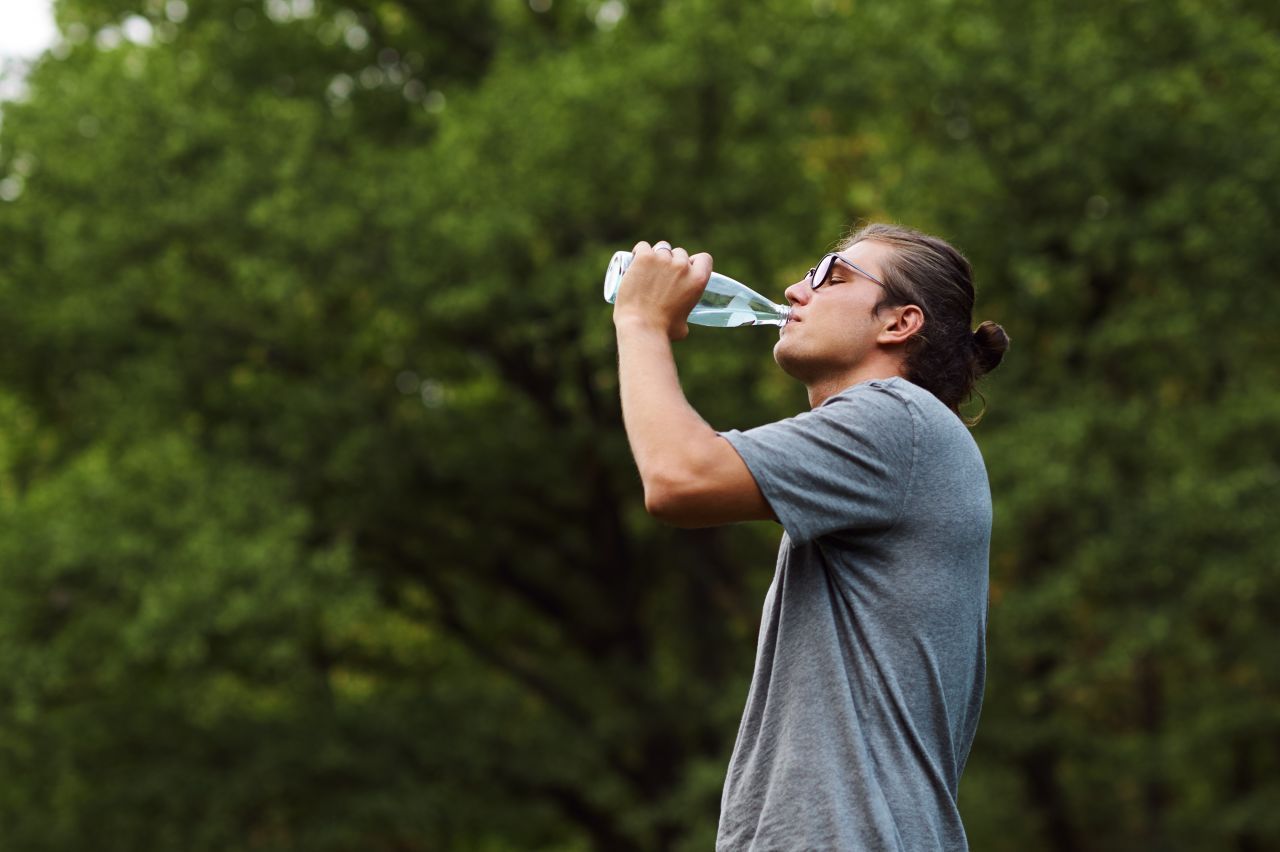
(724,304)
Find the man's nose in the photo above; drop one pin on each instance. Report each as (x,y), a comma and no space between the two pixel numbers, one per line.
(799,293)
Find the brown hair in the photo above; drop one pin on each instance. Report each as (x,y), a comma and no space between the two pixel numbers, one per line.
(945,357)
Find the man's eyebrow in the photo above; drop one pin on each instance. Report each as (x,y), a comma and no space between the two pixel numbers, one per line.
(851,268)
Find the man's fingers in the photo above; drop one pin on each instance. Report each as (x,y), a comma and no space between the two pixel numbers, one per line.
(700,263)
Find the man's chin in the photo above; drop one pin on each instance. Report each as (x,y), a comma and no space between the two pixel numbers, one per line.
(790,364)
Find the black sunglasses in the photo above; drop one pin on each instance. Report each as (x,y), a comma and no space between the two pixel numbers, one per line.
(820,273)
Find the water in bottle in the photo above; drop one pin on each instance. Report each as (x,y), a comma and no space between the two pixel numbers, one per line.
(725,303)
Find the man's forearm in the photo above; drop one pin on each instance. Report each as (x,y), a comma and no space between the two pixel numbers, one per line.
(667,436)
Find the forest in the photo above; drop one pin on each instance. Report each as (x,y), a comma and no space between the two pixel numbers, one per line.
(319,529)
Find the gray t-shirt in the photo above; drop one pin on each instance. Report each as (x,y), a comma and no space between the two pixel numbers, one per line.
(872,651)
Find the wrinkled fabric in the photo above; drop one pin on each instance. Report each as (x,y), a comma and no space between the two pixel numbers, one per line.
(871,657)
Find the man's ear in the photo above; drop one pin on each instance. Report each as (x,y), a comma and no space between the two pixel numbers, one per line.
(904,321)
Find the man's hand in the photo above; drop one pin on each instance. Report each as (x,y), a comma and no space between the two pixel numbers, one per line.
(660,288)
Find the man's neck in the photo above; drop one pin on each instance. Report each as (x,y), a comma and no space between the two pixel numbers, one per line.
(822,390)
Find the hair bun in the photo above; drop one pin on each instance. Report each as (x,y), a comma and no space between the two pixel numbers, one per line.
(991,342)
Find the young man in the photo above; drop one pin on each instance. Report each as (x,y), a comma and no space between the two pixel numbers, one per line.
(871,658)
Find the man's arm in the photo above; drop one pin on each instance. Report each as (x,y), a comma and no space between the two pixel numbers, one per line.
(692,477)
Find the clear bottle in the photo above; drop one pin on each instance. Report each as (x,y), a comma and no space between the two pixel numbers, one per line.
(724,304)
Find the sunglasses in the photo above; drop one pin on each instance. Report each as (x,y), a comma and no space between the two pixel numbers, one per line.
(820,273)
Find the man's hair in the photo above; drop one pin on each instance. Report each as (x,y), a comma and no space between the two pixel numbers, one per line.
(946,357)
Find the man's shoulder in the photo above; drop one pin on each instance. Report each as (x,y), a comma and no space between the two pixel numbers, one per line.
(898,408)
(897,387)
(918,402)
(893,401)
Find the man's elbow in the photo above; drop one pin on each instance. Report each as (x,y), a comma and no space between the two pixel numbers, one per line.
(671,503)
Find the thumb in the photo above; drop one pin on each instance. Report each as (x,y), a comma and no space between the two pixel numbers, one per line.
(701,265)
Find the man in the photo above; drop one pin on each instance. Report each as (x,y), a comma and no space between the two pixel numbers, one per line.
(871,658)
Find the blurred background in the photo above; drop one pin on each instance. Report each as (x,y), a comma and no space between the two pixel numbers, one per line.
(318,527)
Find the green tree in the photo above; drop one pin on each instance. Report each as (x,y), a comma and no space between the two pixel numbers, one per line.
(317,521)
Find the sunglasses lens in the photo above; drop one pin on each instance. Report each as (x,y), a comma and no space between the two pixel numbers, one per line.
(822,271)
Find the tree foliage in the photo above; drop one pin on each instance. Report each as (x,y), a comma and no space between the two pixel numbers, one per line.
(318,526)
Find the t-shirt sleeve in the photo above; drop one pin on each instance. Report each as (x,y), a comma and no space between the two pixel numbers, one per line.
(846,465)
